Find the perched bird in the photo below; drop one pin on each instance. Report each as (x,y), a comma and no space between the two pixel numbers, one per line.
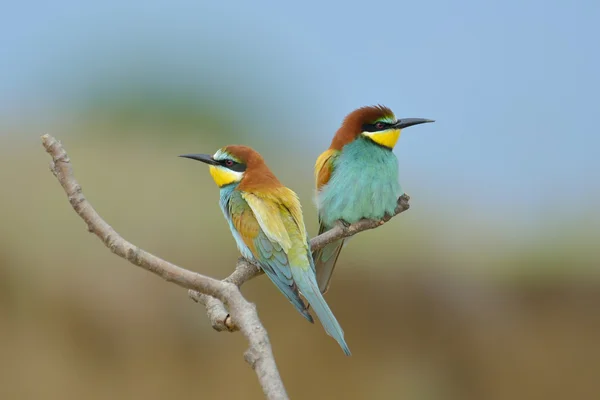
(357,177)
(266,221)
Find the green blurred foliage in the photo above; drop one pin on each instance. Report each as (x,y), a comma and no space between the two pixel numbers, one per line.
(425,318)
(147,102)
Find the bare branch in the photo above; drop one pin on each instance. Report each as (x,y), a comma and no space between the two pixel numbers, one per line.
(217,313)
(259,354)
(244,271)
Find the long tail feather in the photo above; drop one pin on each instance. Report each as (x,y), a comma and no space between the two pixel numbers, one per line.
(307,283)
(325,260)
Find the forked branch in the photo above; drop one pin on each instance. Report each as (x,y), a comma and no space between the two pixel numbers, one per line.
(218,296)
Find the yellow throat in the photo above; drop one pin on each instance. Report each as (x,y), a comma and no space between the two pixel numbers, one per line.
(387,138)
(223,176)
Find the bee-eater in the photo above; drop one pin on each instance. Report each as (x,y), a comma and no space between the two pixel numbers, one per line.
(266,221)
(357,177)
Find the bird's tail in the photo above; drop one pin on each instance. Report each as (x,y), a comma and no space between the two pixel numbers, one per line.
(325,260)
(307,283)
(290,292)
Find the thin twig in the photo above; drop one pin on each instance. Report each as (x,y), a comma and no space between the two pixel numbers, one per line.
(259,354)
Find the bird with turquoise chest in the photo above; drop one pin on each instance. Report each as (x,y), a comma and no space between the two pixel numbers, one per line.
(265,219)
(357,177)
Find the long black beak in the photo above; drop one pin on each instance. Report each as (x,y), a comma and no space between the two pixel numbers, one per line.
(205,158)
(406,122)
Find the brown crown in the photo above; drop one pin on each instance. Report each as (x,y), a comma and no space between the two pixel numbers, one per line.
(353,123)
(257,175)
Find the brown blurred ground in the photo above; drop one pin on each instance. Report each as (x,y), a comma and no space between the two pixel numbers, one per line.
(424,320)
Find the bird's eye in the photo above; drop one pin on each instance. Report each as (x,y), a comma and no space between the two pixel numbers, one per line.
(229,163)
(380,125)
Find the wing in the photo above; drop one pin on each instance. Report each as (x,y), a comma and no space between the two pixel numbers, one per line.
(326,258)
(324,167)
(279,214)
(267,211)
(243,223)
(260,225)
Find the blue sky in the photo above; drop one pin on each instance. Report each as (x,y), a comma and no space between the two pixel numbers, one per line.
(513,85)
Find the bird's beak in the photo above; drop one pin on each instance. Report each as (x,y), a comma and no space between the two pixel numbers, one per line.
(406,122)
(205,158)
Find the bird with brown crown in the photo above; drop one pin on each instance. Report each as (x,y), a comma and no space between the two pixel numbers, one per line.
(357,177)
(266,221)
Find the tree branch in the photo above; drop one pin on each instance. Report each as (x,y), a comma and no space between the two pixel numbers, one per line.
(217,314)
(259,354)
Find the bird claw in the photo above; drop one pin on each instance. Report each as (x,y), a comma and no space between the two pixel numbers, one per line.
(343,223)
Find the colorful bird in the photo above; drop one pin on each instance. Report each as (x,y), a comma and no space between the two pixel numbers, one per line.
(266,221)
(357,177)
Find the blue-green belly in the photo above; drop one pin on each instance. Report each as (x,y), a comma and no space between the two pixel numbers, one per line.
(364,184)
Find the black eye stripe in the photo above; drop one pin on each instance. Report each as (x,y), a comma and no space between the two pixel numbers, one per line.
(374,128)
(236,166)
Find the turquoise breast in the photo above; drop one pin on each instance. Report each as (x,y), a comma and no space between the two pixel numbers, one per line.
(364,184)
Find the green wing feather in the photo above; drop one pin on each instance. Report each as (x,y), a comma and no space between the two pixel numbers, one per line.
(268,246)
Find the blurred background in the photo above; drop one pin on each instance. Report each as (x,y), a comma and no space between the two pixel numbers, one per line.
(487,288)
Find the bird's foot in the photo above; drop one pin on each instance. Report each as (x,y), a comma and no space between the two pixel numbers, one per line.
(386,218)
(342,223)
